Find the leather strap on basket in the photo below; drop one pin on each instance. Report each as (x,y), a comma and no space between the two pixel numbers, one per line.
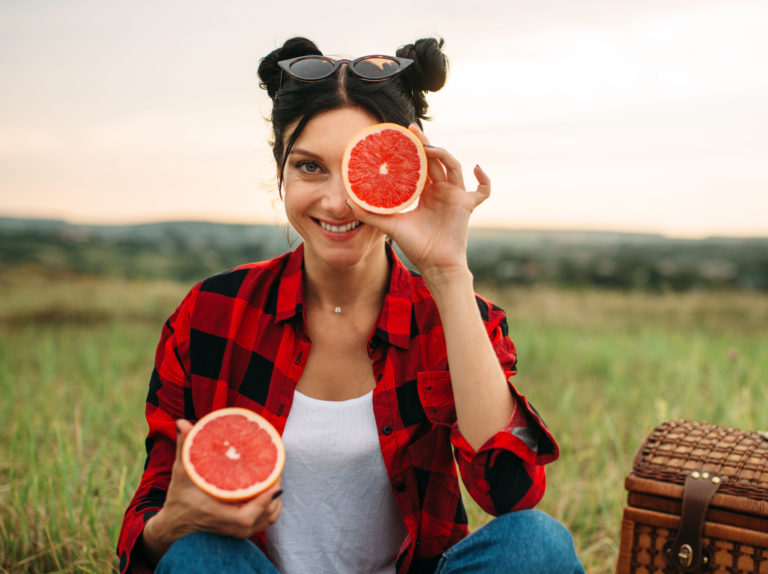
(686,551)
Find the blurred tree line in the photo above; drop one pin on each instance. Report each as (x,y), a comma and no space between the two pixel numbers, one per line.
(189,251)
(621,261)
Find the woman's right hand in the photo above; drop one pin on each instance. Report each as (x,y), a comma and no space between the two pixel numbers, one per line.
(188,509)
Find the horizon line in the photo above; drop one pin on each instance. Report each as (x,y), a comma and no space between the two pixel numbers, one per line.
(472,226)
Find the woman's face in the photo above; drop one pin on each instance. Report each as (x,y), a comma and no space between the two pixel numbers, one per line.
(315,197)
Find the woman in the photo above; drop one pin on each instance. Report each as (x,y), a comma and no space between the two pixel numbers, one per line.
(346,352)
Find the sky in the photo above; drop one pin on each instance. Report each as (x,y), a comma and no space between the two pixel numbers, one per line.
(642,116)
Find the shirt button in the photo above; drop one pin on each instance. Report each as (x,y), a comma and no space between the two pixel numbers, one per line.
(387,430)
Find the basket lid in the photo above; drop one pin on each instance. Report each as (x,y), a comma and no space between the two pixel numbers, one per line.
(678,447)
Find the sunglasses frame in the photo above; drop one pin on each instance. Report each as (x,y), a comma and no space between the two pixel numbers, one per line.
(285,65)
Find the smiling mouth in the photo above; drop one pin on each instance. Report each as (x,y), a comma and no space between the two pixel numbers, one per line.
(339,228)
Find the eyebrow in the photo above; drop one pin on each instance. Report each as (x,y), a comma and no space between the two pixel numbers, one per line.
(304,152)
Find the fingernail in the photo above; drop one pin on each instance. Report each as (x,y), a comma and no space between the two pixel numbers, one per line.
(277,494)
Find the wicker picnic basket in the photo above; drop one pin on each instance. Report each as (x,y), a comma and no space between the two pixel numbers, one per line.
(697,502)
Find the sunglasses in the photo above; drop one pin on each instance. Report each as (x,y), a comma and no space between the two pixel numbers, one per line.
(371,68)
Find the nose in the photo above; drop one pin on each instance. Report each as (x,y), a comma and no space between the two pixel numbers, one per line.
(336,198)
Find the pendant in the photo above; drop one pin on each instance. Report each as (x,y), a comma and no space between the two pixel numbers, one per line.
(337,310)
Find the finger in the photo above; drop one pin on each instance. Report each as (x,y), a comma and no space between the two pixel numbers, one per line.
(268,517)
(182,430)
(435,169)
(483,181)
(274,512)
(254,514)
(450,165)
(483,186)
(414,127)
(260,504)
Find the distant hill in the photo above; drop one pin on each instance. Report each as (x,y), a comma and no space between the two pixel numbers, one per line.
(191,250)
(184,250)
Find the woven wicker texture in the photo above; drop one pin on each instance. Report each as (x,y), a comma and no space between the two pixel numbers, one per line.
(677,447)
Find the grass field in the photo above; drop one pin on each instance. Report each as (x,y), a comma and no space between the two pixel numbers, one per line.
(603,368)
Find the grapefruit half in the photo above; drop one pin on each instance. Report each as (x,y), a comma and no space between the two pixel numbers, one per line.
(233,454)
(384,168)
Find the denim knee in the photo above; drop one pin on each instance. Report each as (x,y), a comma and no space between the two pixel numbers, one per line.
(537,529)
(202,552)
(521,542)
(546,544)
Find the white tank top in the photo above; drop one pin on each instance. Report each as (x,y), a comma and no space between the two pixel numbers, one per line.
(339,514)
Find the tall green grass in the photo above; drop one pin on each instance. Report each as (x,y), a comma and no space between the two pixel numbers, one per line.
(602,367)
(74,362)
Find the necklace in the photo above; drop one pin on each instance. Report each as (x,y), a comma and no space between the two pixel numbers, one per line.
(337,309)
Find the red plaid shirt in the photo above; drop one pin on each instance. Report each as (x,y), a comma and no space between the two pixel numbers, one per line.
(238,339)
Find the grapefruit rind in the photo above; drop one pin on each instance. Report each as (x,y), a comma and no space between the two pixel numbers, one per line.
(239,494)
(418,186)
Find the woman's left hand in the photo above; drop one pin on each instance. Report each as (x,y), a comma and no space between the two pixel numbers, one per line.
(433,236)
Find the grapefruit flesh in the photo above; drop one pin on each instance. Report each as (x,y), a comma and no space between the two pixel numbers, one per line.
(233,454)
(384,168)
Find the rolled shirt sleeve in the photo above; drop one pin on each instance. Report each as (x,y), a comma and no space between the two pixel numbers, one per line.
(507,472)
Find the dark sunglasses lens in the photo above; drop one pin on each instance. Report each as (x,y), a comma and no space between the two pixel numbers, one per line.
(312,68)
(376,67)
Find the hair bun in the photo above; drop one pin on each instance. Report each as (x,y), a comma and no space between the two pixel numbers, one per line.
(270,73)
(430,66)
(428,71)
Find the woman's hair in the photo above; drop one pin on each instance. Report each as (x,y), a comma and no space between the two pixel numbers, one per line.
(400,99)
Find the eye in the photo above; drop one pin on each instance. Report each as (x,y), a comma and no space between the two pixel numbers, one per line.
(308,167)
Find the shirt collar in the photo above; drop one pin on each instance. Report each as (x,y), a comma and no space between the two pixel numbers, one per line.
(290,289)
(394,323)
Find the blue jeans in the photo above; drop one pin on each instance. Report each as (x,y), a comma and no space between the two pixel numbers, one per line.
(522,542)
